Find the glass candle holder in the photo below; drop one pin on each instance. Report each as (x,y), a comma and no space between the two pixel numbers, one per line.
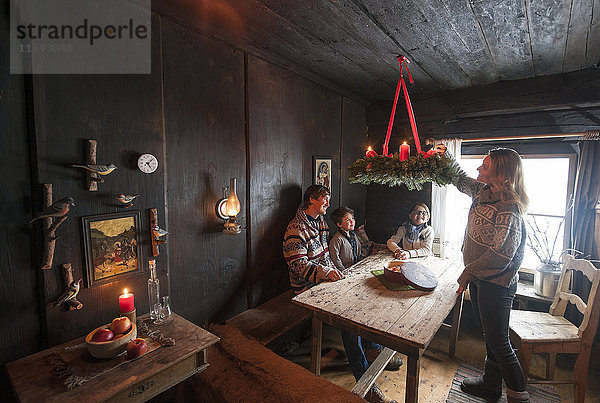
(166,306)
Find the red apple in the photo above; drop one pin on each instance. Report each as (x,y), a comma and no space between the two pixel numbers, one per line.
(102,335)
(136,348)
(120,325)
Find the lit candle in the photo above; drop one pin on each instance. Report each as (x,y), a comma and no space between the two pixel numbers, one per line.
(370,153)
(126,302)
(404,151)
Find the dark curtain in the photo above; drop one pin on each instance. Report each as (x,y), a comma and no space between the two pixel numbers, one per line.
(587,192)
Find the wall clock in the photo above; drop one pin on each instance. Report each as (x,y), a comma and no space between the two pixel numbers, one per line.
(147,163)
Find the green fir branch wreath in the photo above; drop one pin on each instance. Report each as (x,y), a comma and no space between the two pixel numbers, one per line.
(412,172)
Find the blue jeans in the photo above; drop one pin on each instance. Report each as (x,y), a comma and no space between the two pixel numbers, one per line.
(492,304)
(355,353)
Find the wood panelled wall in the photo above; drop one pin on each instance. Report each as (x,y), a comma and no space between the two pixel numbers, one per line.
(124,114)
(209,112)
(20,331)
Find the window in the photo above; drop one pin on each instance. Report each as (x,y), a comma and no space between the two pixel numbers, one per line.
(549,184)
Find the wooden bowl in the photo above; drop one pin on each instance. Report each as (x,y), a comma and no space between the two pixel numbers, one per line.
(111,348)
(390,275)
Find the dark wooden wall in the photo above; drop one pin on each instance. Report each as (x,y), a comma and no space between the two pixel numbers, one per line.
(19,284)
(204,126)
(124,114)
(209,111)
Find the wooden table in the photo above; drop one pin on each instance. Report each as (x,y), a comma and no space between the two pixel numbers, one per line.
(404,321)
(138,380)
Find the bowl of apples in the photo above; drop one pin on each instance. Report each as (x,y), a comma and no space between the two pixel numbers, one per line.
(110,340)
(393,271)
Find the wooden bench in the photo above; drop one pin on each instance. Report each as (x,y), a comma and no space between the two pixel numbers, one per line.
(244,370)
(274,318)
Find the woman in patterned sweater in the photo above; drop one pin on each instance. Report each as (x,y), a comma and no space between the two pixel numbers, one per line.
(493,250)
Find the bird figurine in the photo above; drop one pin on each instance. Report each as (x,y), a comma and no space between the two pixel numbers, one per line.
(97,168)
(158,232)
(69,294)
(57,209)
(123,198)
(126,200)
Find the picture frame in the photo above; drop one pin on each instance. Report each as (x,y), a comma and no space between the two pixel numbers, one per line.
(112,247)
(322,171)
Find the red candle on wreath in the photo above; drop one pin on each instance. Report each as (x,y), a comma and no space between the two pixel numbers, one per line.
(126,302)
(404,151)
(370,153)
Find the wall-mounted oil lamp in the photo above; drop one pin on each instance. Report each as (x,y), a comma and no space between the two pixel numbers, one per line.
(228,208)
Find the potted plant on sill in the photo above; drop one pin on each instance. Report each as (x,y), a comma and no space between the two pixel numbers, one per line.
(546,275)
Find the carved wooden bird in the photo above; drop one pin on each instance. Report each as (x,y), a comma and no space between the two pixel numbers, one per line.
(57,209)
(97,168)
(126,199)
(69,294)
(158,232)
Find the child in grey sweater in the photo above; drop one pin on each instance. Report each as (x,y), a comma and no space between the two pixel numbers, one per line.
(344,247)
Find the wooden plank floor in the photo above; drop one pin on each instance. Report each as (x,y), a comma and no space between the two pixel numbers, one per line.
(437,368)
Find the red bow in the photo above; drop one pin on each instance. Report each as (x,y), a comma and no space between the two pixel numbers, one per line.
(403,62)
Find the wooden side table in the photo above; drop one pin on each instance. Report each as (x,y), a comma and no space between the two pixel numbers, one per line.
(136,381)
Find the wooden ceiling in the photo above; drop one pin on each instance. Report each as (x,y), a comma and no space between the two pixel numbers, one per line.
(353,45)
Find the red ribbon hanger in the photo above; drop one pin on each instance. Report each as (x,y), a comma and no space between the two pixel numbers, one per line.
(403,62)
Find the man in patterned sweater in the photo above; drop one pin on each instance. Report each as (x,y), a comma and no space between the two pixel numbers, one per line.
(306,251)
(305,242)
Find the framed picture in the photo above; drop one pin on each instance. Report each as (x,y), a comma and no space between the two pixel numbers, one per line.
(112,247)
(322,171)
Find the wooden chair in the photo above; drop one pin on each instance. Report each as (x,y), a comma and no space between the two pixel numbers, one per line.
(551,333)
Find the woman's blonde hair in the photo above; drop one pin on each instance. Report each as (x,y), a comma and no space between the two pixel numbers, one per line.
(506,173)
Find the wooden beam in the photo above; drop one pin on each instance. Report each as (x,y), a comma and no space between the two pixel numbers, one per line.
(559,92)
(366,381)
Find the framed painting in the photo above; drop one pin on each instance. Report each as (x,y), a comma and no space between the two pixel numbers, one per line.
(112,247)
(322,171)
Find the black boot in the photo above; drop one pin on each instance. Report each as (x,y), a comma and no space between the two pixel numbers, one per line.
(488,385)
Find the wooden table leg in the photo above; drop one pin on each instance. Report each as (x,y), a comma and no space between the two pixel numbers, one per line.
(317,339)
(455,324)
(550,366)
(412,378)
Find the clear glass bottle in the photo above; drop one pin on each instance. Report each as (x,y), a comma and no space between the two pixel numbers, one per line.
(154,291)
